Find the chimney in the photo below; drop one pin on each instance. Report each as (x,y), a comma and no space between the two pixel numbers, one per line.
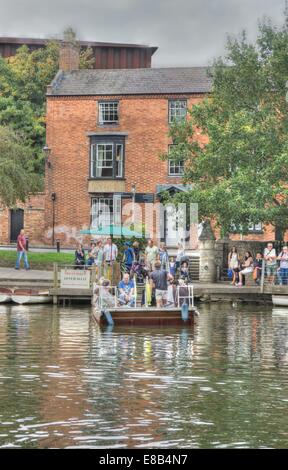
(69,54)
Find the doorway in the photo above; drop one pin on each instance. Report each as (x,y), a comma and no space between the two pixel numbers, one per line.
(16,223)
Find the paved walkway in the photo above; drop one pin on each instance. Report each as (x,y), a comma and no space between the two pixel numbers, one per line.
(21,274)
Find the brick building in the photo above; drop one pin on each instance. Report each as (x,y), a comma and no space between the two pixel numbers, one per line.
(105,131)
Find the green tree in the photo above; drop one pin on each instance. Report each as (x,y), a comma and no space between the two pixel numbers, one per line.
(17,174)
(23,81)
(240,176)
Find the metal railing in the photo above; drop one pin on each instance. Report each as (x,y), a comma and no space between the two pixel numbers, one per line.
(109,296)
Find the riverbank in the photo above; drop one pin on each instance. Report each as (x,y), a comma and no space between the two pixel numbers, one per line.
(204,292)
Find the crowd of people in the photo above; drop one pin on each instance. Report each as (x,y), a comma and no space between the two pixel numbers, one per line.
(275,266)
(152,267)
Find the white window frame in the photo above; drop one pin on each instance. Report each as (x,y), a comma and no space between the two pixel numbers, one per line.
(103,110)
(255,227)
(174,111)
(175,164)
(120,161)
(112,207)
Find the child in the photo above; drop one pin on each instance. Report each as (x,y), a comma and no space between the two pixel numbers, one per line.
(172,266)
(184,272)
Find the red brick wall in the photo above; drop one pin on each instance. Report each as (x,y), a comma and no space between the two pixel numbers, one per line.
(145,119)
(33,220)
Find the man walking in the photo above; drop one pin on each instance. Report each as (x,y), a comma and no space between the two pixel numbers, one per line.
(21,250)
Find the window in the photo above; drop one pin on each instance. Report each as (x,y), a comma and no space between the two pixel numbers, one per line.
(255,227)
(108,112)
(176,168)
(119,160)
(177,110)
(252,228)
(107,159)
(106,211)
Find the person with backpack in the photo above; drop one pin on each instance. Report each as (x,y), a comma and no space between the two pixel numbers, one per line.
(128,257)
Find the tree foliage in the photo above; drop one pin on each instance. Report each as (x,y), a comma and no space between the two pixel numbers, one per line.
(240,176)
(23,81)
(17,173)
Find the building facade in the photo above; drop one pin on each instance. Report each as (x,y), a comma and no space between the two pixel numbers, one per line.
(106,131)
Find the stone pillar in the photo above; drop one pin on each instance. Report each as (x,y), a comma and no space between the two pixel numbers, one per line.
(207,252)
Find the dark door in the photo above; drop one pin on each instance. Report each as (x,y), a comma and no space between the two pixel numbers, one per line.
(16,223)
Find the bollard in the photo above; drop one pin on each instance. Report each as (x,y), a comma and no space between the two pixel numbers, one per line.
(27,243)
(58,245)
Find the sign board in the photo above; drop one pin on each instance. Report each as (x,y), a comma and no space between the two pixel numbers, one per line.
(75,278)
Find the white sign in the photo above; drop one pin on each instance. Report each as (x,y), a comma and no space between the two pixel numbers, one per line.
(75,279)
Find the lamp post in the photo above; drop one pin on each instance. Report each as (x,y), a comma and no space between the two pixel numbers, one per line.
(53,199)
(133,188)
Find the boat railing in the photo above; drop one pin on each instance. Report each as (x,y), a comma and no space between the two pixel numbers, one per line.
(185,293)
(108,296)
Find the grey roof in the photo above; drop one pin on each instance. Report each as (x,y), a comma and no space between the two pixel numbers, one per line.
(177,187)
(131,81)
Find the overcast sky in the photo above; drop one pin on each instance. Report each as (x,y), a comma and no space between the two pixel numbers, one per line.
(187,32)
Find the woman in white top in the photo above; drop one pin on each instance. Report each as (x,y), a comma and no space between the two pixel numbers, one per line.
(233,263)
(248,267)
(180,254)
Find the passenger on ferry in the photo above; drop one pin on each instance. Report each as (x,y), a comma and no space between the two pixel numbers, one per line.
(126,289)
(159,281)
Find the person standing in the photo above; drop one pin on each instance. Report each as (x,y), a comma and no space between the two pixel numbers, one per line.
(233,264)
(21,250)
(159,281)
(151,255)
(271,262)
(283,258)
(110,253)
(179,256)
(99,257)
(80,257)
(164,257)
(136,250)
(128,257)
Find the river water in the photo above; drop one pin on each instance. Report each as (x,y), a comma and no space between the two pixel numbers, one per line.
(65,383)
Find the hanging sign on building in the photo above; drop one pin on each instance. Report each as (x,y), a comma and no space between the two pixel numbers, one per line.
(75,278)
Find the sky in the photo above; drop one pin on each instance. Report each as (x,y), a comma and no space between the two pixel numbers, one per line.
(187,32)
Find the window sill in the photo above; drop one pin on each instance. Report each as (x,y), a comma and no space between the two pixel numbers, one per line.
(103,178)
(114,124)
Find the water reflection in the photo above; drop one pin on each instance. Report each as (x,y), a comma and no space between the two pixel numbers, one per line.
(67,383)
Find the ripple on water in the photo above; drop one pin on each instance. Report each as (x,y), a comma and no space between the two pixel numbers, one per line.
(77,386)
